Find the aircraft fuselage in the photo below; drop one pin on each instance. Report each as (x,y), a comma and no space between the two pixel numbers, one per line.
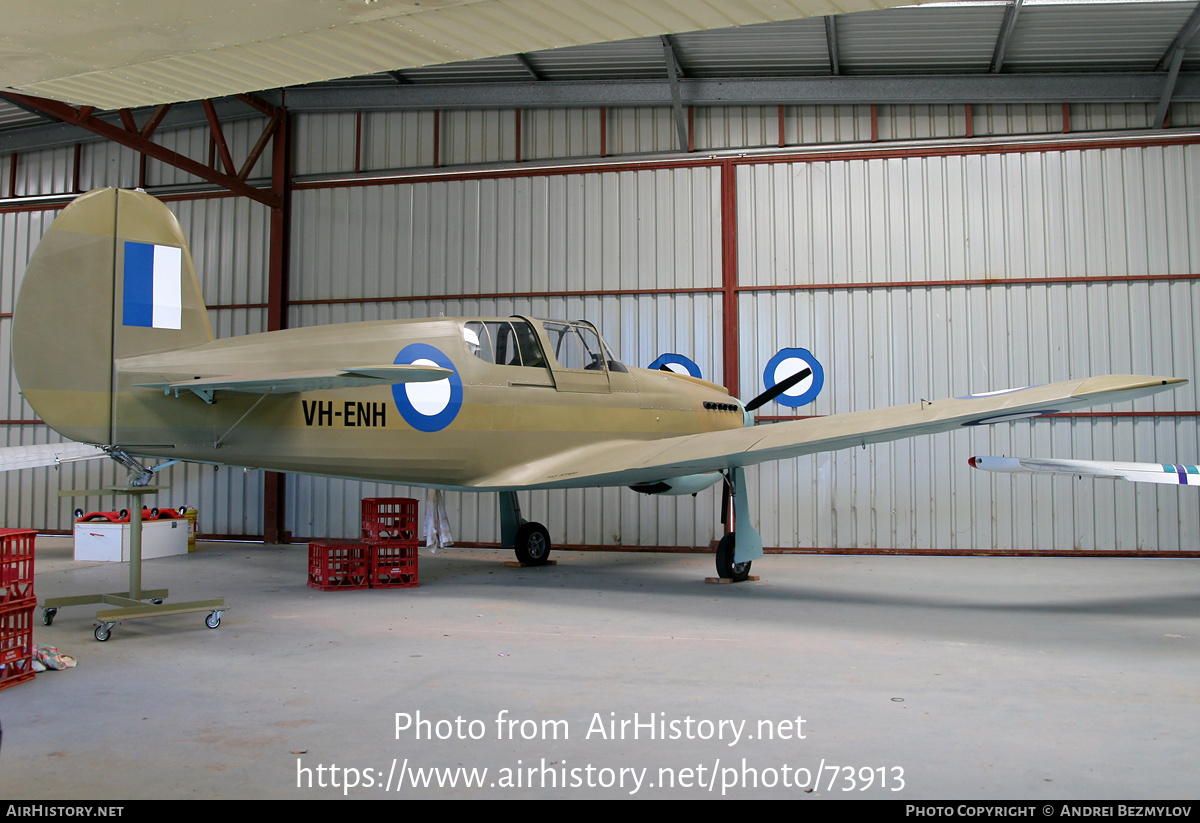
(490,417)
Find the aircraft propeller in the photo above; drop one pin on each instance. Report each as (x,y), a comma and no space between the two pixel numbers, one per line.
(778,389)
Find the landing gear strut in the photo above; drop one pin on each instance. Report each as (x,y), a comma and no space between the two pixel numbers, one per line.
(743,545)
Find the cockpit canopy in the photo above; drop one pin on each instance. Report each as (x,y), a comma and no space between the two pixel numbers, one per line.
(514,342)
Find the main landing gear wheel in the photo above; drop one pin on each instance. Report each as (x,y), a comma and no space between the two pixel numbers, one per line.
(532,544)
(737,572)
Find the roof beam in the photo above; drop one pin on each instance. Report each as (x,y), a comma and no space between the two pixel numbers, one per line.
(674,73)
(83,119)
(525,64)
(980,89)
(1164,102)
(831,43)
(1186,32)
(1093,87)
(1006,30)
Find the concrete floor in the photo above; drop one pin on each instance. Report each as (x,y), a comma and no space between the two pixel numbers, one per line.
(942,677)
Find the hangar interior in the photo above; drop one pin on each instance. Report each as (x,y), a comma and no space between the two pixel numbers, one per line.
(935,200)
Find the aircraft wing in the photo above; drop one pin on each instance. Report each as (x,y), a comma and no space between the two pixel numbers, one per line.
(48,454)
(632,462)
(316,380)
(1173,473)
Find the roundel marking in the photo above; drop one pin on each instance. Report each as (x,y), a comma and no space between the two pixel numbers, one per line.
(432,406)
(787,362)
(676,363)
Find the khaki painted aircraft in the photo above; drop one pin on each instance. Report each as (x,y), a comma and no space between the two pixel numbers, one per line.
(473,404)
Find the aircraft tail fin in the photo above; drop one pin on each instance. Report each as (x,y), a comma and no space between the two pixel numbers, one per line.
(111,278)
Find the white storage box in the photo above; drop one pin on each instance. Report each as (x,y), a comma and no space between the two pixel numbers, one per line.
(110,541)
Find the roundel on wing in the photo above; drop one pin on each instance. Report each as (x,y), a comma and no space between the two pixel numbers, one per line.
(432,406)
(676,363)
(787,362)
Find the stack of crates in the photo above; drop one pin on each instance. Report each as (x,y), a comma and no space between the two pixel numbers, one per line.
(389,527)
(17,602)
(385,558)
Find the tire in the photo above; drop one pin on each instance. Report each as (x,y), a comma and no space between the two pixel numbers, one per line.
(48,616)
(213,620)
(532,545)
(726,568)
(102,633)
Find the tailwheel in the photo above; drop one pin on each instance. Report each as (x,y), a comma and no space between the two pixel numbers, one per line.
(726,568)
(532,545)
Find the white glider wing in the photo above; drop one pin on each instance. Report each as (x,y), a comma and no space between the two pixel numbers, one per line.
(1172,473)
(632,462)
(48,454)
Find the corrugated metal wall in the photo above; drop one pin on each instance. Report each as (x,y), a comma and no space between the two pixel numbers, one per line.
(880,248)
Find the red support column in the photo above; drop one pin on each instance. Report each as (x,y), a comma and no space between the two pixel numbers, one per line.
(274,483)
(729,276)
(604,131)
(437,138)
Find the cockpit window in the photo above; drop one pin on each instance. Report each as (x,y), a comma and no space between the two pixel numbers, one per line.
(504,342)
(578,346)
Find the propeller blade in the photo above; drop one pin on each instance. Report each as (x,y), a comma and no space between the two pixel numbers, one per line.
(778,389)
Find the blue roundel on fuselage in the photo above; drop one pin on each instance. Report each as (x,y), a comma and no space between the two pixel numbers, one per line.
(432,406)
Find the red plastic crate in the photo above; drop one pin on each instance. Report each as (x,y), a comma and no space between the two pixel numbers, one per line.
(16,643)
(16,565)
(394,565)
(338,566)
(389,519)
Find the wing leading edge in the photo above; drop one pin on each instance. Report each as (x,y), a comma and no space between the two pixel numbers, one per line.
(631,462)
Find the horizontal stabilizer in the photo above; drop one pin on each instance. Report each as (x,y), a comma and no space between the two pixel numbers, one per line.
(1175,474)
(48,454)
(301,381)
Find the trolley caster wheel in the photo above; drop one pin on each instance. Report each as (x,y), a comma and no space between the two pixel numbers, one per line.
(157,601)
(103,632)
(48,616)
(213,620)
(79,514)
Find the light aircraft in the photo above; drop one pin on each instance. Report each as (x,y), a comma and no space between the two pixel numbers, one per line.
(473,404)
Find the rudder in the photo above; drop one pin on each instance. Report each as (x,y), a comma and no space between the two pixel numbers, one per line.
(112,278)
